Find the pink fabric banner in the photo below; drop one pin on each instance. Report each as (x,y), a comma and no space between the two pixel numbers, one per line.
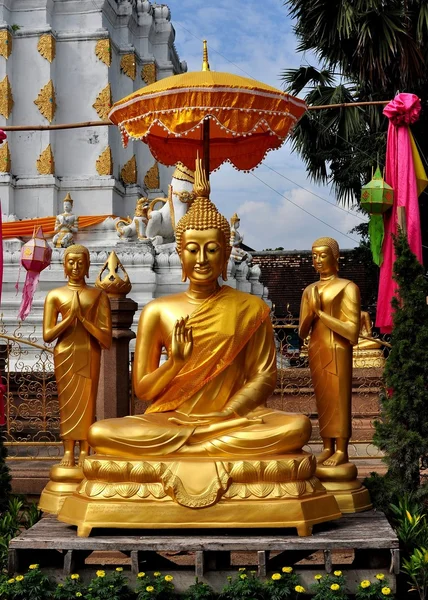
(400,174)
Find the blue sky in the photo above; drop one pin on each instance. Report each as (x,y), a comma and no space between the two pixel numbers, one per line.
(255,38)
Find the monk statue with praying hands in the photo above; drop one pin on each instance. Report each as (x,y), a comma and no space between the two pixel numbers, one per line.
(208,452)
(330,314)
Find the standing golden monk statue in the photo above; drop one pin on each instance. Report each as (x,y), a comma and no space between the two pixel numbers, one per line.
(84,328)
(208,451)
(330,313)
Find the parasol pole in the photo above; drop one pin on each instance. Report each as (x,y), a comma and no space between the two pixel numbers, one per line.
(206,123)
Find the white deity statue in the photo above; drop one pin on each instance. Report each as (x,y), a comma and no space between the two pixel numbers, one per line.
(161,225)
(65,225)
(236,239)
(136,227)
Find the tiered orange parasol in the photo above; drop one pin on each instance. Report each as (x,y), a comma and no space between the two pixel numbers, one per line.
(220,116)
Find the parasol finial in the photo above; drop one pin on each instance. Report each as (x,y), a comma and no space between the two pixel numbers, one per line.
(205,63)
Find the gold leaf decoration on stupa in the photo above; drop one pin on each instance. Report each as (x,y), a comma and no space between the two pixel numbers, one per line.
(46,163)
(128,173)
(5,163)
(47,46)
(148,73)
(104,164)
(128,65)
(6,98)
(46,101)
(5,43)
(110,280)
(151,179)
(103,51)
(103,102)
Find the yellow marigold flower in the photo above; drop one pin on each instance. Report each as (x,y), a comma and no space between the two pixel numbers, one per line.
(11,581)
(299,589)
(32,567)
(74,576)
(253,572)
(19,577)
(101,573)
(150,588)
(276,576)
(335,587)
(380,576)
(318,577)
(78,594)
(365,583)
(386,591)
(242,569)
(337,573)
(119,569)
(242,576)
(287,569)
(156,574)
(60,585)
(141,574)
(169,577)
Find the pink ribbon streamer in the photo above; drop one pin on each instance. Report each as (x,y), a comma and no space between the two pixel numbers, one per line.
(400,174)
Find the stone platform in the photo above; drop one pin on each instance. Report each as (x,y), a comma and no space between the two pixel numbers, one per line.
(368,536)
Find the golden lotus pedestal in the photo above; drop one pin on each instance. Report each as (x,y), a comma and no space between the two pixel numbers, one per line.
(172,493)
(341,482)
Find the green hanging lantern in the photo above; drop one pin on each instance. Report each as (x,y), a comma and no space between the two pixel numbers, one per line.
(376,198)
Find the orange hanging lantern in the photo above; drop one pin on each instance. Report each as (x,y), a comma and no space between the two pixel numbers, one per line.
(35,256)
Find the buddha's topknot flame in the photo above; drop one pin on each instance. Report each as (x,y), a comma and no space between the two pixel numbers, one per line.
(329,243)
(203,214)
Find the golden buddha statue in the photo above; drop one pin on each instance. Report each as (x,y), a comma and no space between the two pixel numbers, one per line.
(207,440)
(330,313)
(84,328)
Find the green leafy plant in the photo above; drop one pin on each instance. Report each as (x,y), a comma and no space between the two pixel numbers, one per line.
(5,478)
(330,587)
(155,586)
(34,584)
(410,524)
(244,585)
(72,587)
(416,568)
(108,586)
(199,591)
(282,586)
(378,590)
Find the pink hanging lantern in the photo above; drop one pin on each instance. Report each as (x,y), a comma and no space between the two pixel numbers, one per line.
(35,256)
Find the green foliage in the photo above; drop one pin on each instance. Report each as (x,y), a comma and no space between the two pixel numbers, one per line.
(330,587)
(282,586)
(155,587)
(34,584)
(410,523)
(368,49)
(378,590)
(245,585)
(402,431)
(199,591)
(416,568)
(18,515)
(72,587)
(108,586)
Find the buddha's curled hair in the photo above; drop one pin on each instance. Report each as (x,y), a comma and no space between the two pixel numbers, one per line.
(203,214)
(329,243)
(77,249)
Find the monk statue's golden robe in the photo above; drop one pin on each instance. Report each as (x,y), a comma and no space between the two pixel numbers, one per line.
(229,362)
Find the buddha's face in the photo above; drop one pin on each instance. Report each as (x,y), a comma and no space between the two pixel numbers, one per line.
(203,255)
(67,206)
(323,260)
(76,266)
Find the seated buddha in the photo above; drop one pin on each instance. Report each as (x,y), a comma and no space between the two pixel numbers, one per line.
(208,452)
(208,398)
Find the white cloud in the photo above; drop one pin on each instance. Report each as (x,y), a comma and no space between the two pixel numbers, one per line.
(253,38)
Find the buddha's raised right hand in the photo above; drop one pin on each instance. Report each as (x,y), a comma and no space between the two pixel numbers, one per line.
(182,342)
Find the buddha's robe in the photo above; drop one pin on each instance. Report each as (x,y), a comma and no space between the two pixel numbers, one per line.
(233,360)
(330,354)
(77,356)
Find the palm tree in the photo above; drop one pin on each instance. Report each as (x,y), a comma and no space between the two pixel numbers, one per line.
(368,50)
